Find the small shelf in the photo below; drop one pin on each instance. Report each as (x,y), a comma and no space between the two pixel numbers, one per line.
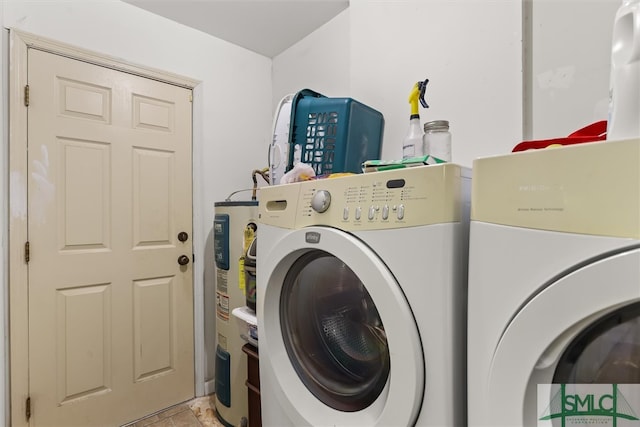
(253,385)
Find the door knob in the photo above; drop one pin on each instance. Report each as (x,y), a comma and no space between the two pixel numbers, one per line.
(183,236)
(183,260)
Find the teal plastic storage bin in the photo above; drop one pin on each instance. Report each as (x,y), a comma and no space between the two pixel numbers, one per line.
(333,134)
(223,376)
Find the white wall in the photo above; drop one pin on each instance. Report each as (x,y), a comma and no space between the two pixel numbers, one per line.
(231,108)
(568,59)
(478,68)
(474,67)
(320,61)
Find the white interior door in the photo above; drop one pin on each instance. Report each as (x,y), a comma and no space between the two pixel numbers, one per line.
(109,190)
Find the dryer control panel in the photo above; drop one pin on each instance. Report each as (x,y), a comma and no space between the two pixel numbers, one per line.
(391,199)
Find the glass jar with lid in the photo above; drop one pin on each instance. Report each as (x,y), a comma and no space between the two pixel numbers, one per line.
(436,141)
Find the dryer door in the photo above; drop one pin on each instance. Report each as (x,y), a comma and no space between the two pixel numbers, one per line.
(342,342)
(582,328)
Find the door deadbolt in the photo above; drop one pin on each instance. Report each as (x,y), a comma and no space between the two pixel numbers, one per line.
(183,260)
(182,236)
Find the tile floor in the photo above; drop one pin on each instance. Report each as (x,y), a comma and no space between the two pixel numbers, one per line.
(198,412)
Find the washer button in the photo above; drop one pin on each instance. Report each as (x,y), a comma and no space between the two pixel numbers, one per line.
(400,211)
(345,214)
(372,212)
(358,213)
(385,212)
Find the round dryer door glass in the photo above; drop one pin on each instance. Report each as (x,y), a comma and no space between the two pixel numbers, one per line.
(333,333)
(607,352)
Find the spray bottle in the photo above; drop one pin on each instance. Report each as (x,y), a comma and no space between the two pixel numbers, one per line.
(412,143)
(624,89)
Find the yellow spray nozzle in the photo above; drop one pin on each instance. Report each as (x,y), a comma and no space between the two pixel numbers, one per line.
(417,94)
(414,95)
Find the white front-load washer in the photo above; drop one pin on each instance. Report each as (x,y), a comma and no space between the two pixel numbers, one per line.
(554,287)
(361,293)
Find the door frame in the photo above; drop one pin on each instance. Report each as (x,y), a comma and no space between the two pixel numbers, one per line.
(15,323)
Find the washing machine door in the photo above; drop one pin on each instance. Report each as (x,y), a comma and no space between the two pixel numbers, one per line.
(343,345)
(582,328)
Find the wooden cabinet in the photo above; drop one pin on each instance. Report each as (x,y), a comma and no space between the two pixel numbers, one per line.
(253,385)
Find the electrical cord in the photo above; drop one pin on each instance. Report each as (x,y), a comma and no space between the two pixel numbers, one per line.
(264,173)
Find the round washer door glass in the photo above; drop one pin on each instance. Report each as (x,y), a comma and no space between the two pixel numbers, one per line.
(607,352)
(333,333)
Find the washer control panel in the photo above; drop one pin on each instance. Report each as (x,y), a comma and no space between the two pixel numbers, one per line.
(391,199)
(363,201)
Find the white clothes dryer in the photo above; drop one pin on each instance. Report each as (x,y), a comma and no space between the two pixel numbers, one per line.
(361,299)
(554,285)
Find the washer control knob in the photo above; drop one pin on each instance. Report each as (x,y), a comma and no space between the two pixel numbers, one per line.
(321,201)
(372,212)
(401,212)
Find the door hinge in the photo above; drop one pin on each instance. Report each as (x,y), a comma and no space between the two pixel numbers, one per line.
(27,252)
(191,97)
(26,96)
(28,408)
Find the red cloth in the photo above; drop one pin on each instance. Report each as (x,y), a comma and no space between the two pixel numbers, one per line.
(594,132)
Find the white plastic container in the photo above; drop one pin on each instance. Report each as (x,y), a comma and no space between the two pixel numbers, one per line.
(248,323)
(624,89)
(412,143)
